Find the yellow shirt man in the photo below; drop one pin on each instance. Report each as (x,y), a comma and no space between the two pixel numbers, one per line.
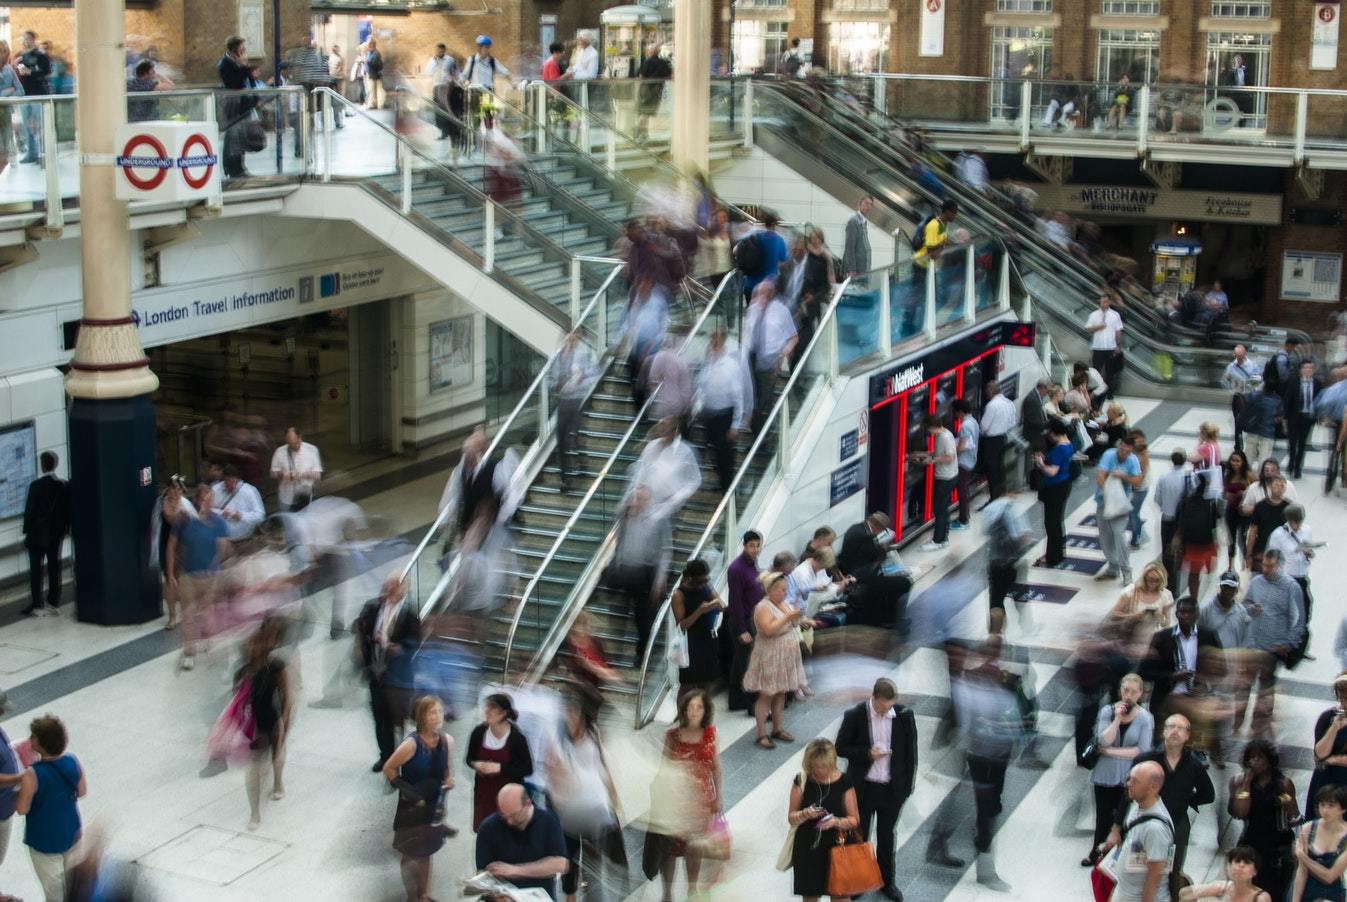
(935,234)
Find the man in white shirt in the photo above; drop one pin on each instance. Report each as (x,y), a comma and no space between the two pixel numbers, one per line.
(296,467)
(998,418)
(770,338)
(239,503)
(336,70)
(725,392)
(1106,327)
(478,481)
(443,71)
(586,65)
(668,468)
(1241,375)
(1296,545)
(574,372)
(1143,861)
(970,435)
(944,457)
(482,67)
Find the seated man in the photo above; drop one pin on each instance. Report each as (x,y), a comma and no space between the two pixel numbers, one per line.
(522,844)
(879,596)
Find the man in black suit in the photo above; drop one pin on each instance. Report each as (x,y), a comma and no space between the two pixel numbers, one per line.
(1298,402)
(46,520)
(1178,658)
(878,598)
(1033,418)
(387,633)
(879,740)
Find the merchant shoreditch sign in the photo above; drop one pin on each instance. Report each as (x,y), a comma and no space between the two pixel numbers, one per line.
(1129,202)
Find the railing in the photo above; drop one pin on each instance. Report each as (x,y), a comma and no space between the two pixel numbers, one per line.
(600,504)
(1291,121)
(528,424)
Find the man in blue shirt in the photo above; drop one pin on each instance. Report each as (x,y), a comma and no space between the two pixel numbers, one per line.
(772,252)
(1262,410)
(522,844)
(197,545)
(1122,464)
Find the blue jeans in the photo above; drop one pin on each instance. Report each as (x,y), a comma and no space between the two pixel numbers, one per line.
(1134,520)
(32,129)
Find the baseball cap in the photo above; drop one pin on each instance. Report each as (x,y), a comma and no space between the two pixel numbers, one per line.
(483,40)
(1230,578)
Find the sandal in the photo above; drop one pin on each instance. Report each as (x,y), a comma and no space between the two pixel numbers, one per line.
(783,736)
(765,742)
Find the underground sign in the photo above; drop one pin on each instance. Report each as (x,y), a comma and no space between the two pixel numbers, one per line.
(168,160)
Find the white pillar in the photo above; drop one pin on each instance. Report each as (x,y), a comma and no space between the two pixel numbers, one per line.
(692,85)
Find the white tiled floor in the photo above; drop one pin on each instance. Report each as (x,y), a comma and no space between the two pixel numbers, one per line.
(140,735)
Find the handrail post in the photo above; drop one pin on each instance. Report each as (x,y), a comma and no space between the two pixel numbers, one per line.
(328,107)
(584,127)
(540,115)
(489,234)
(731,526)
(544,412)
(1026,114)
(1143,119)
(1027,309)
(305,131)
(602,343)
(885,317)
(405,166)
(930,326)
(575,292)
(1302,114)
(612,152)
(834,353)
(1003,293)
(51,169)
(783,437)
(970,295)
(748,112)
(880,94)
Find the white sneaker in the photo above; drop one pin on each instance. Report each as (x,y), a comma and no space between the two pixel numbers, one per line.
(934,546)
(187,662)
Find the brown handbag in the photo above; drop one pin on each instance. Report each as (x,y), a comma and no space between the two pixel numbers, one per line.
(852,867)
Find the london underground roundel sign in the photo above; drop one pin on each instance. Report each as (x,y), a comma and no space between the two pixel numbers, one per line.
(197,154)
(156,159)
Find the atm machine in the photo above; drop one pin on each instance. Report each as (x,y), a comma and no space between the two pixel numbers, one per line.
(902,396)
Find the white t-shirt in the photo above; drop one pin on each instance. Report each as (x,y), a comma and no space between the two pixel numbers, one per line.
(586,64)
(945,447)
(295,471)
(1106,339)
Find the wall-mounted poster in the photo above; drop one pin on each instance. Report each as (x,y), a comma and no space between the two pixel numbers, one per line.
(1310,276)
(451,353)
(932,40)
(18,467)
(252,27)
(1324,35)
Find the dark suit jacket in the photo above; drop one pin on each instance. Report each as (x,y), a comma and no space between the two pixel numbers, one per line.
(405,634)
(1158,666)
(859,551)
(46,513)
(1292,402)
(854,743)
(1034,421)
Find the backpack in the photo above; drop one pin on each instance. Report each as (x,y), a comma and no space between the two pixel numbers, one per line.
(918,238)
(790,64)
(1002,543)
(1272,372)
(749,256)
(1197,519)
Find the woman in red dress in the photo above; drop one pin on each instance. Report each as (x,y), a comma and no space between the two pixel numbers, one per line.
(690,745)
(497,753)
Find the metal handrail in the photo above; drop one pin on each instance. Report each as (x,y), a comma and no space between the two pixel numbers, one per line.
(505,426)
(820,332)
(988,79)
(593,488)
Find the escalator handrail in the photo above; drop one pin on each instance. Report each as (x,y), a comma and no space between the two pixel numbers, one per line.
(1031,240)
(575,516)
(507,424)
(821,333)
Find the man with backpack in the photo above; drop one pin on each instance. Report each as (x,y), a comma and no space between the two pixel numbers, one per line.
(482,67)
(1146,841)
(1008,536)
(930,237)
(790,61)
(759,255)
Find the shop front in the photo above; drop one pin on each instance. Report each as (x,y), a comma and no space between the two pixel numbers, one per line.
(903,395)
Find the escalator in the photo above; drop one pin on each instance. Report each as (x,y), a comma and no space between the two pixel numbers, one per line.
(809,130)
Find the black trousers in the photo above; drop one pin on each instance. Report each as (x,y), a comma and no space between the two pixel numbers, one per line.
(388,704)
(568,428)
(739,698)
(716,424)
(52,558)
(1168,530)
(1109,364)
(993,451)
(875,802)
(1000,577)
(940,495)
(1054,498)
(881,601)
(1106,799)
(636,584)
(1298,431)
(989,781)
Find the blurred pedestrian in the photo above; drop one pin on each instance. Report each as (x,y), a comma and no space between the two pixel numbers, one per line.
(272,700)
(725,396)
(1277,609)
(574,373)
(823,810)
(769,251)
(770,338)
(1008,536)
(645,322)
(421,770)
(1199,516)
(1054,490)
(968,434)
(1236,477)
(999,417)
(1141,447)
(478,481)
(1142,608)
(640,563)
(667,379)
(1121,467)
(372,67)
(48,798)
(198,545)
(498,753)
(296,466)
(775,667)
(688,802)
(668,468)
(582,793)
(387,633)
(654,72)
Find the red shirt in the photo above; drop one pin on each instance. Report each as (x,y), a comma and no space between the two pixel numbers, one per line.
(551,70)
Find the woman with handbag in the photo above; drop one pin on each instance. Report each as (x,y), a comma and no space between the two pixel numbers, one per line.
(420,770)
(1122,730)
(1265,799)
(688,818)
(48,798)
(582,795)
(775,666)
(822,811)
(695,605)
(499,754)
(271,699)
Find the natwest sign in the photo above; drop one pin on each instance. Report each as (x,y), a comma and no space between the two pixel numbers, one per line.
(168,160)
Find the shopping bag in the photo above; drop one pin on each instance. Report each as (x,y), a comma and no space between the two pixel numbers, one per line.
(1116,502)
(679,655)
(234,731)
(852,867)
(715,842)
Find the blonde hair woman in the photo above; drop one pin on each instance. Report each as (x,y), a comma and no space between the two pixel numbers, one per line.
(1144,607)
(822,803)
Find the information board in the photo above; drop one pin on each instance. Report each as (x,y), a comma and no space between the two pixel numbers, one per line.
(848,445)
(18,467)
(1311,276)
(845,482)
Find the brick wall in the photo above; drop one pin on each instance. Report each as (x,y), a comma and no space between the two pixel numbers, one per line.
(1329,239)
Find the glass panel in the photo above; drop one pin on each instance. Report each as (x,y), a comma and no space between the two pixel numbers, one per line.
(947,103)
(858,318)
(1326,121)
(1241,9)
(1236,61)
(261,134)
(1131,7)
(858,47)
(1017,53)
(986,273)
(950,278)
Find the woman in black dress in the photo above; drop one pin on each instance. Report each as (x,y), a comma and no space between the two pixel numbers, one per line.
(420,771)
(695,604)
(1330,745)
(822,802)
(1265,800)
(270,698)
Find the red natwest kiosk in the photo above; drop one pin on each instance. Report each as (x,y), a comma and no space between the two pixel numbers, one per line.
(902,396)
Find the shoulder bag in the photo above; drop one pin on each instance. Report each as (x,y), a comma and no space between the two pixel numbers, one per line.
(853,868)
(785,858)
(1116,502)
(1104,875)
